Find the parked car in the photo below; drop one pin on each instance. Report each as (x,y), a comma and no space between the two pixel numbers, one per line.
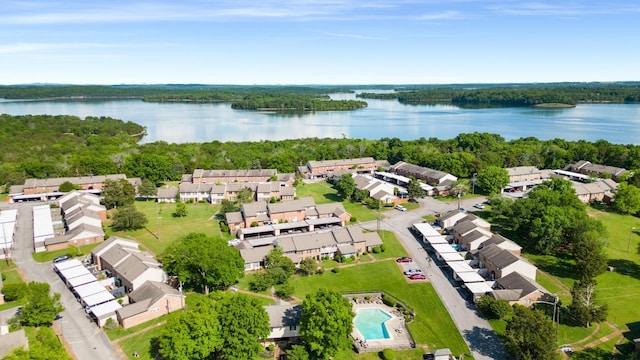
(479,206)
(401,208)
(418,276)
(60,258)
(412,271)
(404,259)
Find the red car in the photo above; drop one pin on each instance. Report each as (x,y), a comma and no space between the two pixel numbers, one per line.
(404,259)
(418,276)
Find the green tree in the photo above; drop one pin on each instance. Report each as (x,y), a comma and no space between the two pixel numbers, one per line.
(326,322)
(67,187)
(117,193)
(43,346)
(297,352)
(583,305)
(147,189)
(279,268)
(492,179)
(346,186)
(191,335)
(40,308)
(530,335)
(245,196)
(204,262)
(591,260)
(181,209)
(128,218)
(285,290)
(414,190)
(308,266)
(228,206)
(627,199)
(246,326)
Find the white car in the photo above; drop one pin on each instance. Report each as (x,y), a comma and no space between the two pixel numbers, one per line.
(401,208)
(479,206)
(412,271)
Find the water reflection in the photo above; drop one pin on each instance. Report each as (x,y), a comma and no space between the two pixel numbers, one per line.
(179,123)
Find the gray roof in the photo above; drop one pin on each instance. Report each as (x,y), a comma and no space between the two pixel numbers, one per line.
(256,254)
(286,243)
(117,253)
(287,191)
(234,217)
(522,170)
(292,205)
(200,173)
(133,266)
(464,227)
(499,239)
(313,241)
(110,242)
(167,192)
(418,171)
(341,162)
(515,281)
(153,290)
(79,180)
(253,208)
(186,187)
(347,249)
(342,236)
(264,188)
(283,314)
(499,257)
(335,208)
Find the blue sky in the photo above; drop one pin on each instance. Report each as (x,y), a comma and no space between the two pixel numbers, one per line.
(318,42)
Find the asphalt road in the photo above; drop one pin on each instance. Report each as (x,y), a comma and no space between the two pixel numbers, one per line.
(480,337)
(86,339)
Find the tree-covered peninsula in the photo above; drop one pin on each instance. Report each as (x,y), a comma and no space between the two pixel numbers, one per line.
(515,95)
(290,102)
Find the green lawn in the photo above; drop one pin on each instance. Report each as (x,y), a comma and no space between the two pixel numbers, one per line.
(323,193)
(619,289)
(433,325)
(200,218)
(47,256)
(11,277)
(393,247)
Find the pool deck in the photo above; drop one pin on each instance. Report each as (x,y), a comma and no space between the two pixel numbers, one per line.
(398,332)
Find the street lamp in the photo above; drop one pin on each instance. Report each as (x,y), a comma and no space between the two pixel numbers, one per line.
(629,242)
(555,306)
(473,180)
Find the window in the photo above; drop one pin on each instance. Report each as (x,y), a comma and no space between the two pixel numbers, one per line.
(292,328)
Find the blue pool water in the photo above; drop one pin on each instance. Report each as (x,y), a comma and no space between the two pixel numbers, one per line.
(370,323)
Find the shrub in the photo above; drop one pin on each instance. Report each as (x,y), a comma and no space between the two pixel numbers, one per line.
(4,277)
(388,354)
(13,292)
(271,347)
(335,270)
(383,247)
(284,291)
(353,219)
(377,250)
(110,324)
(367,297)
(389,301)
(260,282)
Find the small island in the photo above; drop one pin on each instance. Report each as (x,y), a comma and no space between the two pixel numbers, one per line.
(291,102)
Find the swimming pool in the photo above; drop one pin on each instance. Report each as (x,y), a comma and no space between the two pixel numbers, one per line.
(370,323)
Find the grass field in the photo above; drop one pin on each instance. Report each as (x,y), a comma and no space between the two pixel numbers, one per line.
(619,289)
(163,228)
(47,256)
(433,325)
(323,193)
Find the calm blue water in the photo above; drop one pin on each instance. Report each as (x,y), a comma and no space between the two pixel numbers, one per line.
(370,323)
(180,123)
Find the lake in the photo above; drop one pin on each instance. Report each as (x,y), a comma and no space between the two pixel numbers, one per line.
(181,123)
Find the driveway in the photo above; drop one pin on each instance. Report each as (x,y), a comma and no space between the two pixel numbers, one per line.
(480,337)
(81,333)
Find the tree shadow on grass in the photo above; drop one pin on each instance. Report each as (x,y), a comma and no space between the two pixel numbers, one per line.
(625,267)
(332,197)
(486,342)
(556,266)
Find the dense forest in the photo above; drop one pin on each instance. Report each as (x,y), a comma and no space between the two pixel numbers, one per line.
(52,146)
(515,95)
(289,102)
